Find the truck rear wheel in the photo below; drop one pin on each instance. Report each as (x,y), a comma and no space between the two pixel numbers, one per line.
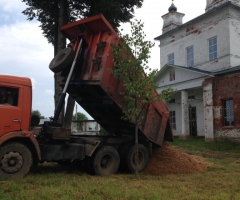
(143,158)
(106,161)
(63,59)
(15,160)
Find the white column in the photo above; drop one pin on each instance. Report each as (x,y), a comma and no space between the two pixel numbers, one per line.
(208,112)
(185,114)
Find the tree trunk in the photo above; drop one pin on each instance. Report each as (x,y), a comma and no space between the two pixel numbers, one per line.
(55,28)
(136,142)
(92,9)
(67,118)
(61,44)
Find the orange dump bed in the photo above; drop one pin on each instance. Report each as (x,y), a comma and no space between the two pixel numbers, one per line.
(97,90)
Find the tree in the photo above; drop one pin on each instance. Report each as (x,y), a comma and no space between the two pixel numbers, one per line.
(130,64)
(79,116)
(47,12)
(37,112)
(53,14)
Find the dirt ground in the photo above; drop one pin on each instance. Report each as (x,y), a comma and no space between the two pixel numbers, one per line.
(169,160)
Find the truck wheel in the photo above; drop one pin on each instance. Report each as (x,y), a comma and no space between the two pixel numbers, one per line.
(63,59)
(106,161)
(143,157)
(15,160)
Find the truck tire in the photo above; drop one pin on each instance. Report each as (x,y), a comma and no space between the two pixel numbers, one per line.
(106,161)
(143,158)
(15,160)
(63,59)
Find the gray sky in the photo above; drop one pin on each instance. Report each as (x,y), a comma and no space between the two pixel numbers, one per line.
(25,52)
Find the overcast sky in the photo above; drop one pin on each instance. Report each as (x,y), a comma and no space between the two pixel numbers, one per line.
(25,52)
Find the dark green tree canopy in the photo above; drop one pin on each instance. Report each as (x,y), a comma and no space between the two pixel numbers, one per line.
(79,116)
(47,12)
(37,112)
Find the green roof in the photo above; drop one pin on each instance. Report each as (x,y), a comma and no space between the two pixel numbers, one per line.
(193,69)
(217,73)
(226,71)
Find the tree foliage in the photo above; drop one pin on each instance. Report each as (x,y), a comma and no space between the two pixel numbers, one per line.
(37,112)
(131,67)
(47,12)
(79,116)
(131,56)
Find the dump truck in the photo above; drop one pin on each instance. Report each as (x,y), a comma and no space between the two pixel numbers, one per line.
(84,68)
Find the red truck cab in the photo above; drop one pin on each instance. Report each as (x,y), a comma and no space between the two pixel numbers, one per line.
(17,110)
(15,127)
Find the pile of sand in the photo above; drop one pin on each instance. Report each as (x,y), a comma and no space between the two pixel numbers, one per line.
(169,160)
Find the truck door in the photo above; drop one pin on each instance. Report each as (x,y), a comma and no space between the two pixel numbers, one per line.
(10,110)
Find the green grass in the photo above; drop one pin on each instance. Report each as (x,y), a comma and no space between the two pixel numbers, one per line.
(56,182)
(52,181)
(199,144)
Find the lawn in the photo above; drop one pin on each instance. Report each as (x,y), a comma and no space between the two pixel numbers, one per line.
(52,181)
(199,145)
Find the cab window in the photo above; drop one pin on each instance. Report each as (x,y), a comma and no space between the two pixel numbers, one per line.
(9,96)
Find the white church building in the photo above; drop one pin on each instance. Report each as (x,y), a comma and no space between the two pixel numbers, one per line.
(200,59)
